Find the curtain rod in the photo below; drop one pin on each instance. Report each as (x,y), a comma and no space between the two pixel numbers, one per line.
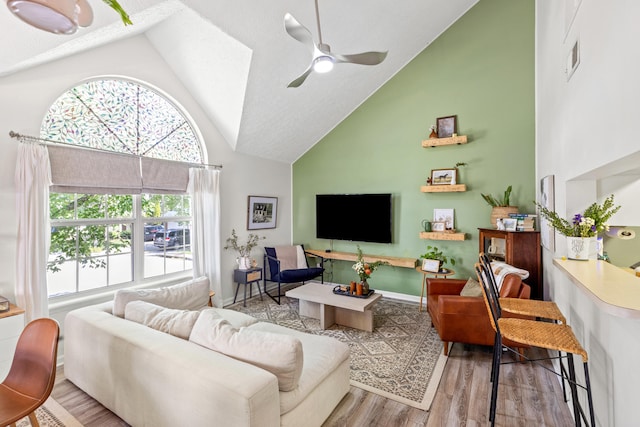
(45,141)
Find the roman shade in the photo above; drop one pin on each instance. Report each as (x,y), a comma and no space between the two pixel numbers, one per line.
(87,171)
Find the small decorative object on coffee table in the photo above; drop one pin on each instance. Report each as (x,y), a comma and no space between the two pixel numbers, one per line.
(364,271)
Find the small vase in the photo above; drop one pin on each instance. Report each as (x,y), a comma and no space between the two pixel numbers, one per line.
(433,134)
(244,262)
(365,287)
(578,248)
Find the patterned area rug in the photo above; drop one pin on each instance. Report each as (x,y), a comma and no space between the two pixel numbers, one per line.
(401,359)
(51,414)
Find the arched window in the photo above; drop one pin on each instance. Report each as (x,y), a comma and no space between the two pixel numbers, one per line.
(105,240)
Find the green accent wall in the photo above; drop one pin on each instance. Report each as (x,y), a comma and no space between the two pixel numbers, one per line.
(482,70)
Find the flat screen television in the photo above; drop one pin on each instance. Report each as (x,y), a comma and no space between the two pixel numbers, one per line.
(356,217)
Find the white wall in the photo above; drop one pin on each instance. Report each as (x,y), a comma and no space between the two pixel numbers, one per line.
(27,96)
(585,136)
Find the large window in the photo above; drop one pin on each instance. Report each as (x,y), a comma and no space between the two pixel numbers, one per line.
(103,240)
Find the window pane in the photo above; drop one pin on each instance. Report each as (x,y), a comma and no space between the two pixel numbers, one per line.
(120,206)
(151,205)
(63,280)
(120,268)
(91,206)
(63,246)
(61,205)
(92,275)
(170,251)
(91,243)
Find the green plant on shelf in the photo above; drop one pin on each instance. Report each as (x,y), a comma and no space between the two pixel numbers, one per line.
(436,254)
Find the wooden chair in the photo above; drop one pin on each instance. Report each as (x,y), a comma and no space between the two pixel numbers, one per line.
(551,336)
(32,374)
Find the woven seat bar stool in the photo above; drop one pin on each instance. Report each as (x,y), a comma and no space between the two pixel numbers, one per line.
(551,336)
(527,307)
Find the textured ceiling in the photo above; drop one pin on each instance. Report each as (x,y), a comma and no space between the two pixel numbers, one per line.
(236,58)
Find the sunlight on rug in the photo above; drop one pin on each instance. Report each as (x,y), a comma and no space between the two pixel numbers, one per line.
(51,414)
(401,359)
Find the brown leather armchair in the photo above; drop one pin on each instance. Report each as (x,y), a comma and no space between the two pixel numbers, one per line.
(464,319)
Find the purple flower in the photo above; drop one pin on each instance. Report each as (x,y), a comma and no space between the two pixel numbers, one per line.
(576,219)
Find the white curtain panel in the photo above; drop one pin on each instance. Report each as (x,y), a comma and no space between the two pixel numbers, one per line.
(33,178)
(204,187)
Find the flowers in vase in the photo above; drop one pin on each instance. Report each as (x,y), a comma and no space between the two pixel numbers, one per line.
(243,250)
(588,224)
(365,269)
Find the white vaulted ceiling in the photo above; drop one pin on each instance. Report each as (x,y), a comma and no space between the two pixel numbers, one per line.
(236,58)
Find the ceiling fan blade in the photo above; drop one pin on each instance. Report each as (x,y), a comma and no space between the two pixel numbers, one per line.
(298,31)
(365,58)
(297,82)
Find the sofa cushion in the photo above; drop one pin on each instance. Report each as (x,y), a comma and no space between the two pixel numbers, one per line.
(169,320)
(322,356)
(280,354)
(471,288)
(190,295)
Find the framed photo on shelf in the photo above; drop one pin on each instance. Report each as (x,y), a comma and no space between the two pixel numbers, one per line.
(446,216)
(510,224)
(262,212)
(431,265)
(444,176)
(438,226)
(447,126)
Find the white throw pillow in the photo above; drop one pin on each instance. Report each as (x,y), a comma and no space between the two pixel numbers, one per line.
(279,354)
(190,295)
(178,323)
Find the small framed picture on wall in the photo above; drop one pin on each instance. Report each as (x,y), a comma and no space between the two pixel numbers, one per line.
(447,126)
(262,212)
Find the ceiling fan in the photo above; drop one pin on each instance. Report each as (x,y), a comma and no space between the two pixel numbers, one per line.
(323,59)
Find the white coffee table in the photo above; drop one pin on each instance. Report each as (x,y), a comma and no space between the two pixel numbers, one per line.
(319,301)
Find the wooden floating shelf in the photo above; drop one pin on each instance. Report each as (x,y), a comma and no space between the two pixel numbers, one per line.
(349,256)
(437,142)
(443,188)
(434,235)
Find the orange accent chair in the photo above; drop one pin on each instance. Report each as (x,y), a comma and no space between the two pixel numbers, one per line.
(32,374)
(465,319)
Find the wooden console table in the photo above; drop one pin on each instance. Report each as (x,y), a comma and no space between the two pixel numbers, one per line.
(348,256)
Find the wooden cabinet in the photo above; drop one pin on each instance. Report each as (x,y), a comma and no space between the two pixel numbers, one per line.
(518,248)
(11,326)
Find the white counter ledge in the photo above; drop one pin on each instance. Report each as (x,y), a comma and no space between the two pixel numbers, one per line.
(614,290)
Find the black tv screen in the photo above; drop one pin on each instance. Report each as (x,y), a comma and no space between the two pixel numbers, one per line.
(357,217)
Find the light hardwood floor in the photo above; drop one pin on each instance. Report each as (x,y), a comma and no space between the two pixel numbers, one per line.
(528,395)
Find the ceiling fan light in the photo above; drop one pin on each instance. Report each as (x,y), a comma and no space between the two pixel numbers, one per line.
(323,64)
(55,16)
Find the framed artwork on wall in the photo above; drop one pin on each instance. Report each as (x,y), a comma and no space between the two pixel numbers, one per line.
(446,216)
(262,212)
(447,126)
(443,176)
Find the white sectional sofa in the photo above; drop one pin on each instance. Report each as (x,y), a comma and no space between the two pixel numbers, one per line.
(152,378)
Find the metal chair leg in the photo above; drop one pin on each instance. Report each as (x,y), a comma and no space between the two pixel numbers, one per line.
(589,397)
(574,390)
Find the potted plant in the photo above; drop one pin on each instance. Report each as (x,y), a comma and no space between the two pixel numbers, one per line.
(436,254)
(582,227)
(244,260)
(365,269)
(501,206)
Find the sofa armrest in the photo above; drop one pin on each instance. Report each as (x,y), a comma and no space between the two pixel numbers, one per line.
(445,286)
(459,305)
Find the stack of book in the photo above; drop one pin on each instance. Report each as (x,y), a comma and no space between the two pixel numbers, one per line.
(526,222)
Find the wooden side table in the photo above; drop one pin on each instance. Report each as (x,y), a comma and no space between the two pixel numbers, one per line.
(425,276)
(11,326)
(247,277)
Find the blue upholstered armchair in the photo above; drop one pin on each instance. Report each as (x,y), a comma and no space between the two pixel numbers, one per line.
(287,264)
